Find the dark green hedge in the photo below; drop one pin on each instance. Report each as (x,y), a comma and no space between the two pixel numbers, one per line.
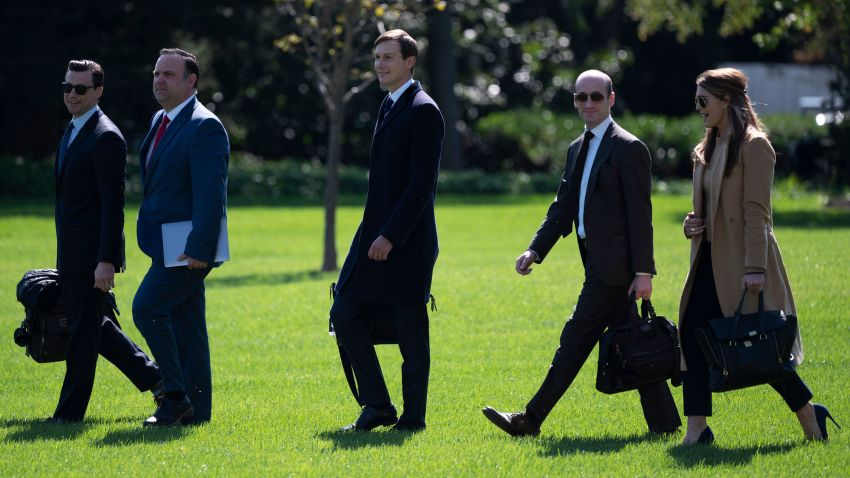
(541,137)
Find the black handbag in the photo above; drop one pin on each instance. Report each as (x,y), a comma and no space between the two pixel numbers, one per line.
(748,349)
(645,350)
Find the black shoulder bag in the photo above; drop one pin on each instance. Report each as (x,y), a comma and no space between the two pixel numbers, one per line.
(748,349)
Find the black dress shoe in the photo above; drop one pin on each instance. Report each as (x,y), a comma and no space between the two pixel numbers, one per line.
(515,424)
(61,421)
(408,427)
(821,414)
(373,417)
(170,413)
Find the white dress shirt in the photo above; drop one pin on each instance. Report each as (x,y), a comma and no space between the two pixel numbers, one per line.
(592,148)
(171,116)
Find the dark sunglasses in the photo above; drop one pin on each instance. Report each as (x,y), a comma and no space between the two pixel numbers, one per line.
(700,101)
(596,97)
(80,89)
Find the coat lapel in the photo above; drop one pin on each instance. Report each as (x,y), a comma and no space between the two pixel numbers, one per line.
(602,154)
(84,133)
(170,133)
(403,103)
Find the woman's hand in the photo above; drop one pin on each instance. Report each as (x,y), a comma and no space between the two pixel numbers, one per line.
(694,226)
(753,282)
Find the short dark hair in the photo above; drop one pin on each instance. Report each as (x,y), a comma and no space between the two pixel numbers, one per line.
(192,64)
(405,41)
(88,65)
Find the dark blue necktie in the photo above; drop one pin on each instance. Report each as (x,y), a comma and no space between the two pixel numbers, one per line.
(63,146)
(385,110)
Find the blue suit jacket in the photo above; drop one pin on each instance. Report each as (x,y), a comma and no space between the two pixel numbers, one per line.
(186,180)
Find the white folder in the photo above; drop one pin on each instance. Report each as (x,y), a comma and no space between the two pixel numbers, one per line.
(175,235)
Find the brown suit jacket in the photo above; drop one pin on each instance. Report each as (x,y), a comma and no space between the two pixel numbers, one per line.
(617,213)
(741,228)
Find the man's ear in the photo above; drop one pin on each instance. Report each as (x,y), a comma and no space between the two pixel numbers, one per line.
(410,62)
(612,99)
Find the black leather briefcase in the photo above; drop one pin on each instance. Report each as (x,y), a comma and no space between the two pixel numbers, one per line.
(644,350)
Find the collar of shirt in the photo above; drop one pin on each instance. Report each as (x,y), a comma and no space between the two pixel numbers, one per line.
(80,121)
(395,95)
(177,109)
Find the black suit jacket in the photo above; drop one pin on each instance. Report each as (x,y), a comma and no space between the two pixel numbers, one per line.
(90,198)
(617,213)
(403,168)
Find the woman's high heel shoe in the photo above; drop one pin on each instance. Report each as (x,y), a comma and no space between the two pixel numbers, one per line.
(821,414)
(706,437)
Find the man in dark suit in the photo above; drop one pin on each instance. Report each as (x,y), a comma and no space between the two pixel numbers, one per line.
(388,270)
(605,193)
(90,243)
(183,163)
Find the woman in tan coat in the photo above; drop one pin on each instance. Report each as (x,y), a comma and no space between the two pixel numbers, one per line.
(732,244)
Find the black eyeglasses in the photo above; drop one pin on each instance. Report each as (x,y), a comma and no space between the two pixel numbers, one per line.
(700,101)
(80,89)
(595,97)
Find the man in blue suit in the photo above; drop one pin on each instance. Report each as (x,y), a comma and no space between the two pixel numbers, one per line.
(183,163)
(388,271)
(90,243)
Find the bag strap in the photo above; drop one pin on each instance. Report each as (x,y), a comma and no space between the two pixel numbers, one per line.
(647,311)
(349,375)
(343,357)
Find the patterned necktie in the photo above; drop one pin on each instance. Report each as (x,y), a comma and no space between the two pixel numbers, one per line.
(159,134)
(385,109)
(578,171)
(63,146)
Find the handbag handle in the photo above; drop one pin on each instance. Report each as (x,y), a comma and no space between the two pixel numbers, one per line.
(759,313)
(647,311)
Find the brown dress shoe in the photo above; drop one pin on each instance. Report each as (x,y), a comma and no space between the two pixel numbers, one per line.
(515,424)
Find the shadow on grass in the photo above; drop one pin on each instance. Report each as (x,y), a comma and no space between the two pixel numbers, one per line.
(35,429)
(351,440)
(553,446)
(268,279)
(701,455)
(142,435)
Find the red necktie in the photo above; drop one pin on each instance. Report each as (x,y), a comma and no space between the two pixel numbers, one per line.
(159,134)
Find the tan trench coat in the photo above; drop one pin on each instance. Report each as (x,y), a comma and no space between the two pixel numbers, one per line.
(741,228)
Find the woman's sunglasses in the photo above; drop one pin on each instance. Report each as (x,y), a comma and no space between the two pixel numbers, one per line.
(701,101)
(80,89)
(596,97)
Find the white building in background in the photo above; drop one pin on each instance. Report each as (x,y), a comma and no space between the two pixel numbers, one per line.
(788,87)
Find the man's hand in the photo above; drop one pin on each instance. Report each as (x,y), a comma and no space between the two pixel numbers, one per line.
(753,282)
(642,285)
(380,249)
(104,276)
(523,262)
(193,263)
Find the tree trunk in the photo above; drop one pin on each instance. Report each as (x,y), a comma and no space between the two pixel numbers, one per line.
(336,117)
(442,70)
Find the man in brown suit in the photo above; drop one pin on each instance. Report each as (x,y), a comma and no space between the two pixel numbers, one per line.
(605,192)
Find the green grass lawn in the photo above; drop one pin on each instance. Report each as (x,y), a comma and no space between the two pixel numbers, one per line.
(280,395)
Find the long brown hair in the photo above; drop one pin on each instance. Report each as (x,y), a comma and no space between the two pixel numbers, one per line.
(730,85)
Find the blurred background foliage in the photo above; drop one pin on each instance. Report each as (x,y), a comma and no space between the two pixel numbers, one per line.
(514,63)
